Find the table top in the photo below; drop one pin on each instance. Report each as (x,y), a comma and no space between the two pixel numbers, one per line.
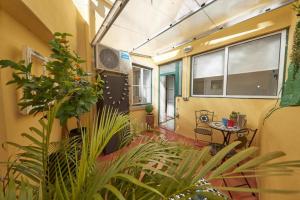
(220,126)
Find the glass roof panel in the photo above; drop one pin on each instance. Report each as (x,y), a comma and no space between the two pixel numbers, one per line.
(192,26)
(142,19)
(122,39)
(223,10)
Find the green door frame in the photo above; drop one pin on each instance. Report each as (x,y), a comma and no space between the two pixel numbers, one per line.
(176,93)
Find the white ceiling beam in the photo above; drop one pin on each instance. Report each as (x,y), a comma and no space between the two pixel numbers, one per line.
(112,15)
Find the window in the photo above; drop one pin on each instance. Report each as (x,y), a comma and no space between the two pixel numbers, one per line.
(252,69)
(141,86)
(208,73)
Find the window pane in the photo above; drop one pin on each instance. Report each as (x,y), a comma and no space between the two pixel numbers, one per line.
(168,68)
(136,97)
(208,73)
(136,76)
(253,67)
(141,88)
(146,86)
(147,77)
(208,86)
(146,95)
(263,83)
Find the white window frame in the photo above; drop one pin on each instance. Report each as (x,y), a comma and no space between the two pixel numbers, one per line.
(142,68)
(283,43)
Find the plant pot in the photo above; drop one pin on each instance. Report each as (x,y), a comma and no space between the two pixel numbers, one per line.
(150,121)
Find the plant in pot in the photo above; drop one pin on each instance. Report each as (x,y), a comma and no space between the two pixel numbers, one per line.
(64,78)
(150,170)
(149,117)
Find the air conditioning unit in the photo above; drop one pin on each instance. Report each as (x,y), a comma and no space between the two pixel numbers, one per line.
(110,59)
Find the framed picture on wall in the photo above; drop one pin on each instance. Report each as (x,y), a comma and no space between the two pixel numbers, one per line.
(38,68)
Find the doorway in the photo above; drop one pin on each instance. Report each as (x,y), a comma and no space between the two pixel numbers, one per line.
(167,102)
(169,89)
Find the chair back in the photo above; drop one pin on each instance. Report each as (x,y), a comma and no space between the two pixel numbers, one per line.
(203,117)
(248,134)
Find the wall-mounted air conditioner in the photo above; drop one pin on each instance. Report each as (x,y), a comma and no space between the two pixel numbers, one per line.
(110,59)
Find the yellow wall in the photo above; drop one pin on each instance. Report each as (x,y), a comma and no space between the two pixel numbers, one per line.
(42,18)
(254,108)
(280,132)
(138,114)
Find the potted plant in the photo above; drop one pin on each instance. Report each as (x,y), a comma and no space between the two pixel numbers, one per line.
(149,117)
(64,79)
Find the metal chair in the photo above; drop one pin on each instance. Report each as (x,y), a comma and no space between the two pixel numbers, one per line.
(246,137)
(203,117)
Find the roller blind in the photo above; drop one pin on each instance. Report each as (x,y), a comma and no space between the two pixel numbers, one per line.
(209,65)
(254,56)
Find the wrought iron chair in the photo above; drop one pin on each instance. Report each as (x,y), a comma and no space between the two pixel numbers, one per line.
(246,137)
(203,117)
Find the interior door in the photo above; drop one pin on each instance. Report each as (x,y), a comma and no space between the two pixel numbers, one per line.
(162,99)
(170,96)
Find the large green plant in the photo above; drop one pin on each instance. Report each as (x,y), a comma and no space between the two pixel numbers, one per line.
(291,89)
(64,78)
(151,170)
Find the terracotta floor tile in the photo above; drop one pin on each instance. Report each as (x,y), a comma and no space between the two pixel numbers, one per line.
(175,137)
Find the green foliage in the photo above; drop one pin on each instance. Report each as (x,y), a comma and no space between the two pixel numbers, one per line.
(64,78)
(291,94)
(150,170)
(295,56)
(149,108)
(9,192)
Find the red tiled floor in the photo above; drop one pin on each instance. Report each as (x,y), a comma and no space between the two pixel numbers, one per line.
(175,137)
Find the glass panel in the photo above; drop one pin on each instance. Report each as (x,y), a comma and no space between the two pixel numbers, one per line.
(253,67)
(263,83)
(208,73)
(141,89)
(136,76)
(224,10)
(146,77)
(208,86)
(146,95)
(168,68)
(136,94)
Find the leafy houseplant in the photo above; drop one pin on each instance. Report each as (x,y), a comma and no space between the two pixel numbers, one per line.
(148,171)
(64,78)
(233,116)
(149,109)
(149,117)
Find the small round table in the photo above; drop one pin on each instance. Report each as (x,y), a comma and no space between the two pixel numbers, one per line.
(226,131)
